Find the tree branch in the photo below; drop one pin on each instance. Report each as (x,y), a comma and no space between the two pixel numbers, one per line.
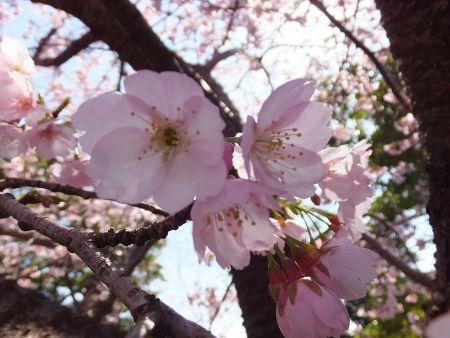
(43,42)
(151,232)
(30,236)
(73,49)
(141,305)
(123,28)
(396,89)
(215,59)
(415,275)
(13,183)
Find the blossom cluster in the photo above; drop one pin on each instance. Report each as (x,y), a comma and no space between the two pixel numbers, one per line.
(25,122)
(163,140)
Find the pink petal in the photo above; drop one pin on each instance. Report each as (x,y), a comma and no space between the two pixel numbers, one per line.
(285,96)
(102,114)
(204,128)
(16,96)
(14,57)
(120,169)
(311,122)
(11,141)
(167,91)
(186,178)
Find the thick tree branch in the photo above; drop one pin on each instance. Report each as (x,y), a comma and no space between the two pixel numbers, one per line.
(73,49)
(141,305)
(415,275)
(97,301)
(13,183)
(392,83)
(151,232)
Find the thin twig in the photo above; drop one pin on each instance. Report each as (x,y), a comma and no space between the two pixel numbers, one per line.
(225,295)
(73,49)
(415,275)
(396,89)
(30,236)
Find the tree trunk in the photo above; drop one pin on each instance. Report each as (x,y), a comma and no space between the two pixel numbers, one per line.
(419,33)
(258,309)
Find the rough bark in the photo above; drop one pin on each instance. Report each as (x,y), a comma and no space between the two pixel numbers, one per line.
(26,313)
(419,33)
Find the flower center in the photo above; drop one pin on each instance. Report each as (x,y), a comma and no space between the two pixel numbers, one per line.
(170,137)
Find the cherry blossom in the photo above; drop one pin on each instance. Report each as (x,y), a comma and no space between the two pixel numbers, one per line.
(72,173)
(407,124)
(347,178)
(162,139)
(16,97)
(341,133)
(51,139)
(234,222)
(352,217)
(313,311)
(14,57)
(349,267)
(11,141)
(280,150)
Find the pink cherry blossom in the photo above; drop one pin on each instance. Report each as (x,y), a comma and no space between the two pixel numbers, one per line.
(351,216)
(72,173)
(349,267)
(280,150)
(51,139)
(399,147)
(37,115)
(314,311)
(347,178)
(11,141)
(398,173)
(16,96)
(407,124)
(14,57)
(234,222)
(341,133)
(162,139)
